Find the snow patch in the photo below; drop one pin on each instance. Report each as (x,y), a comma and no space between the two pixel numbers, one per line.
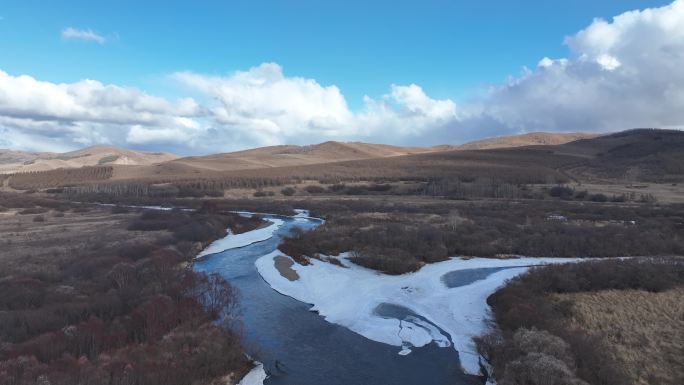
(256,376)
(233,241)
(301,213)
(349,297)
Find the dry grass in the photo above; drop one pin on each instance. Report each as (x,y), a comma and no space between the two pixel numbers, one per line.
(284,267)
(39,248)
(662,192)
(645,330)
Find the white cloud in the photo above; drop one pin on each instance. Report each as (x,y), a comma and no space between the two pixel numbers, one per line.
(623,73)
(71,33)
(84,112)
(267,107)
(608,62)
(620,73)
(266,104)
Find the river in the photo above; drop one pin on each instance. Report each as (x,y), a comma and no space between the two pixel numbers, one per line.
(310,350)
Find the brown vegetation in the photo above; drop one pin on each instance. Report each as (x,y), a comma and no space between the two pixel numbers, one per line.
(510,173)
(59,178)
(397,236)
(99,298)
(542,304)
(645,330)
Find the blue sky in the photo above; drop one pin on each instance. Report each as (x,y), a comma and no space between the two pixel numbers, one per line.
(452,50)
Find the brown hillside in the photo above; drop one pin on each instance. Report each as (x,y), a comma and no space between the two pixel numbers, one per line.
(15,161)
(13,157)
(529,139)
(641,155)
(626,157)
(290,155)
(636,155)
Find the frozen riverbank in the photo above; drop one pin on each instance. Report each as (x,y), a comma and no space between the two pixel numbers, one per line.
(233,241)
(357,298)
(255,376)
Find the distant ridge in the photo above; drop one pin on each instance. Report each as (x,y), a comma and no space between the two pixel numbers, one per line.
(529,139)
(644,155)
(18,161)
(257,158)
(291,155)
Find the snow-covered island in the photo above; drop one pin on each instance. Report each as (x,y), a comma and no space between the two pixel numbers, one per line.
(409,310)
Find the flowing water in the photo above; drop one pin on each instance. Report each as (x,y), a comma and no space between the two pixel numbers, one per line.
(299,347)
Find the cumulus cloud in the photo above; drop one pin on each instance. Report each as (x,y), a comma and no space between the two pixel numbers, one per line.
(620,73)
(71,33)
(267,107)
(623,73)
(83,113)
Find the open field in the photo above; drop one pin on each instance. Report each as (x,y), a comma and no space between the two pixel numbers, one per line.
(37,244)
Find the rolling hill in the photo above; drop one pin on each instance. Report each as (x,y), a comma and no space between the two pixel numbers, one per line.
(529,139)
(157,164)
(640,155)
(17,161)
(291,155)
(643,155)
(323,153)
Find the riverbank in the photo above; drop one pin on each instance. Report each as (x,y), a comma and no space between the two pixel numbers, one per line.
(233,241)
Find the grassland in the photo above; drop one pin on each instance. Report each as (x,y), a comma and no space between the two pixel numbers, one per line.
(607,322)
(39,248)
(643,330)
